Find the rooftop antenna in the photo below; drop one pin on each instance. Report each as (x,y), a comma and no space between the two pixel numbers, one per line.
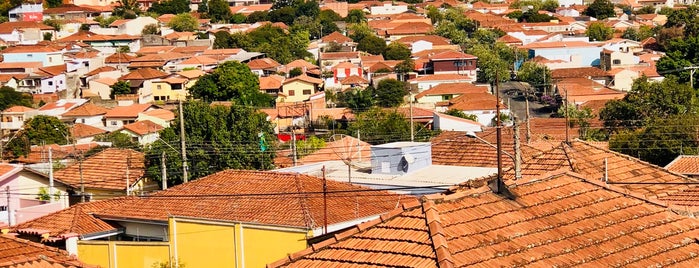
(347,149)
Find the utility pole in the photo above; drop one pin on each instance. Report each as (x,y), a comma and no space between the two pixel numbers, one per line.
(293,145)
(412,125)
(498,128)
(566,107)
(82,182)
(183,144)
(359,147)
(7,194)
(325,203)
(128,184)
(692,70)
(163,170)
(526,106)
(51,190)
(518,151)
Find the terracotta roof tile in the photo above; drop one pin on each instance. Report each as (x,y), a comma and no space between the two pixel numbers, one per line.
(558,220)
(15,252)
(452,88)
(76,219)
(127,111)
(586,72)
(87,109)
(18,109)
(337,38)
(83,131)
(8,27)
(684,164)
(353,80)
(143,127)
(346,147)
(436,40)
(200,60)
(271,82)
(83,36)
(163,114)
(456,149)
(263,64)
(339,55)
(475,102)
(38,154)
(304,211)
(100,70)
(305,78)
(119,58)
(29,49)
(451,55)
(143,74)
(105,170)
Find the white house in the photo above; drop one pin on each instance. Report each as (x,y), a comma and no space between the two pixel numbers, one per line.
(388,9)
(445,122)
(144,132)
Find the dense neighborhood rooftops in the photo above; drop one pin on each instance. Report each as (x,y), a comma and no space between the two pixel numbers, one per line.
(87,109)
(18,109)
(559,219)
(8,27)
(585,72)
(143,74)
(684,164)
(80,130)
(456,149)
(105,170)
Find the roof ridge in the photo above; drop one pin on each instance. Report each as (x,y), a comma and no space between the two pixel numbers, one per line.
(345,234)
(437,235)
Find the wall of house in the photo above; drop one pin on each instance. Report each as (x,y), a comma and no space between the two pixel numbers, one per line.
(90,120)
(123,253)
(466,67)
(436,98)
(589,55)
(298,87)
(452,124)
(53,84)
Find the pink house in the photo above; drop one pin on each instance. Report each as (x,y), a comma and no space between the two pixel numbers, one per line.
(25,186)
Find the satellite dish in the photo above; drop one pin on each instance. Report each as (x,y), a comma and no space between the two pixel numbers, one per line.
(403,165)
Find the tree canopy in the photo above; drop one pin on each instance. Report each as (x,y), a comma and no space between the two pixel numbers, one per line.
(170,7)
(274,41)
(9,97)
(600,9)
(120,87)
(397,51)
(380,125)
(597,31)
(231,81)
(219,11)
(536,74)
(372,44)
(127,9)
(390,93)
(184,22)
(218,138)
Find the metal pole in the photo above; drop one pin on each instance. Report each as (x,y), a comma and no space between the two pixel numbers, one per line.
(82,183)
(498,128)
(51,190)
(412,125)
(293,146)
(526,106)
(325,202)
(7,193)
(566,107)
(184,146)
(163,171)
(518,151)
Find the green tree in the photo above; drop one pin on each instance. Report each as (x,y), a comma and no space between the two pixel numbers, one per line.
(536,74)
(48,36)
(372,44)
(645,10)
(257,16)
(577,117)
(184,22)
(150,29)
(377,126)
(397,51)
(203,7)
(170,7)
(84,27)
(295,72)
(357,99)
(56,24)
(231,81)
(218,138)
(119,88)
(494,60)
(54,3)
(390,93)
(355,16)
(308,146)
(597,31)
(359,31)
(308,8)
(46,129)
(118,140)
(631,34)
(219,11)
(127,9)
(329,15)
(222,39)
(404,67)
(461,114)
(648,101)
(9,97)
(285,15)
(600,9)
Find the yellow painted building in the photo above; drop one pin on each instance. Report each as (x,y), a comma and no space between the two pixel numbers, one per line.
(190,243)
(299,88)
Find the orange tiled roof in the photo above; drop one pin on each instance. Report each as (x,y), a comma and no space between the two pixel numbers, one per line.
(143,74)
(7,168)
(436,40)
(262,64)
(347,147)
(105,170)
(293,210)
(337,38)
(454,78)
(684,164)
(100,70)
(119,58)
(452,55)
(199,60)
(305,78)
(456,149)
(577,72)
(18,109)
(74,220)
(143,127)
(8,27)
(127,111)
(353,80)
(38,154)
(339,55)
(19,253)
(87,109)
(411,28)
(452,88)
(475,102)
(80,130)
(30,49)
(271,82)
(154,50)
(163,114)
(83,36)
(556,220)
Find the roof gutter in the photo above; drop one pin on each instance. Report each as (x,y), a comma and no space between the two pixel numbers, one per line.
(99,235)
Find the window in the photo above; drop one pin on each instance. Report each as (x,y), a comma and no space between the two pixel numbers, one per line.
(50,59)
(446,97)
(114,123)
(160,87)
(50,83)
(616,62)
(291,93)
(306,92)
(30,55)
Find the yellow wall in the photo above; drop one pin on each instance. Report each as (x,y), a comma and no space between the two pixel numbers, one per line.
(297,87)
(123,253)
(200,243)
(266,246)
(166,90)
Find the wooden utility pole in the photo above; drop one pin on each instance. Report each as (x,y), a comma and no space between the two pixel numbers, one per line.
(9,213)
(498,127)
(185,178)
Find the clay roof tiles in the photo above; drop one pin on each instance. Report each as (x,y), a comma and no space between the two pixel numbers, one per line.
(119,58)
(198,199)
(87,109)
(436,40)
(555,220)
(8,27)
(143,127)
(16,253)
(127,111)
(82,131)
(143,74)
(76,219)
(100,70)
(18,109)
(584,72)
(456,149)
(684,164)
(337,38)
(271,82)
(304,78)
(264,63)
(452,88)
(105,170)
